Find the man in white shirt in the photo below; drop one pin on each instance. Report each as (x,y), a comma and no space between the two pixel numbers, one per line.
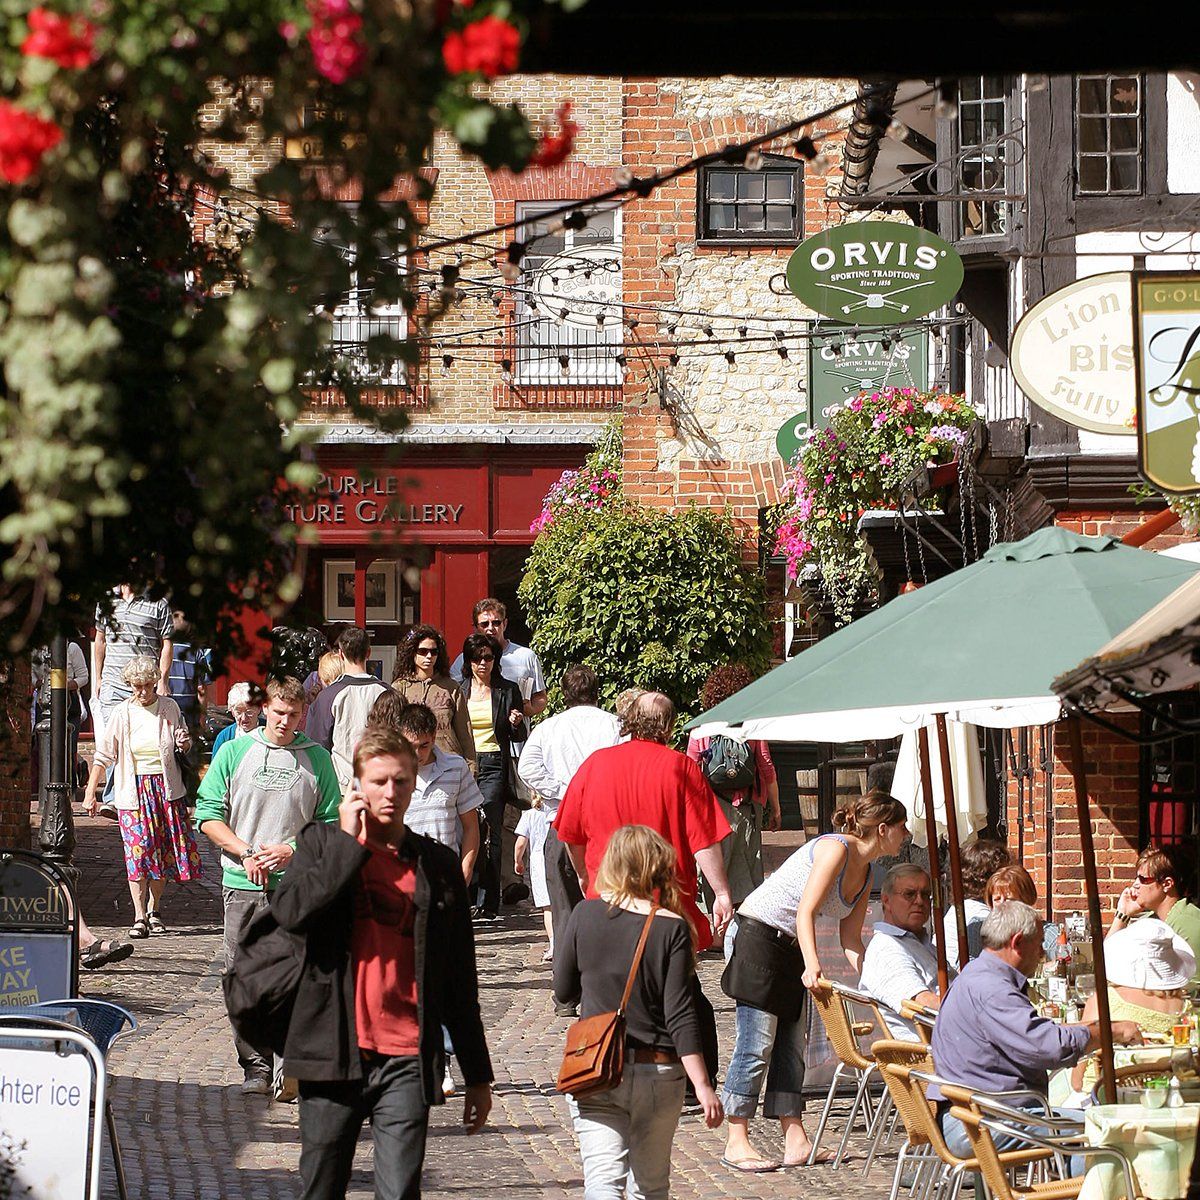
(518,663)
(446,796)
(900,964)
(555,751)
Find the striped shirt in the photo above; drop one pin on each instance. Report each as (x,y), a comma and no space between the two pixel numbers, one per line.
(131,627)
(445,791)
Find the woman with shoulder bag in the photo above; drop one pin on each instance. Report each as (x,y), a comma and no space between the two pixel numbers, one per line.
(771,949)
(625,1133)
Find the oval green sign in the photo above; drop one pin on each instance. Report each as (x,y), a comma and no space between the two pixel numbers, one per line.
(874,273)
(790,437)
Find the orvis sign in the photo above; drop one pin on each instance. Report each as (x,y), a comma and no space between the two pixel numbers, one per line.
(842,364)
(1072,353)
(874,273)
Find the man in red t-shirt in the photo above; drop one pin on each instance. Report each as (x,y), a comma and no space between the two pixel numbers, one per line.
(644,782)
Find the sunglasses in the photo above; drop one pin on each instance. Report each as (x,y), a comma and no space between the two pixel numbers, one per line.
(425,650)
(485,624)
(925,895)
(484,658)
(1147,878)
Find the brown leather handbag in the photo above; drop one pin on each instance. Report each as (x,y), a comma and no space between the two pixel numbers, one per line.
(594,1058)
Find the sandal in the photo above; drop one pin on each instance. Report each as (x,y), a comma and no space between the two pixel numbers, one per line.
(156,923)
(751,1166)
(101,953)
(140,929)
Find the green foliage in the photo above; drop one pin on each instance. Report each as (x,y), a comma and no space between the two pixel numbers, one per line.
(646,598)
(152,378)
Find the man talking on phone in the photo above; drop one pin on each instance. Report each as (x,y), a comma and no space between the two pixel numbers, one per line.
(256,796)
(389,960)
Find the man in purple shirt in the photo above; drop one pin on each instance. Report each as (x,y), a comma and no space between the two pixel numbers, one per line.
(989,1037)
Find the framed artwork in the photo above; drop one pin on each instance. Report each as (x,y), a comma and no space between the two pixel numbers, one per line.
(382,585)
(382,662)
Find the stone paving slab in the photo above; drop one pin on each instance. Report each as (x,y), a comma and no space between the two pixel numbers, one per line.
(187,1132)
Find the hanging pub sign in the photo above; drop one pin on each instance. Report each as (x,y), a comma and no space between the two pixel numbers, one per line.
(1072,353)
(874,272)
(1166,314)
(790,437)
(842,363)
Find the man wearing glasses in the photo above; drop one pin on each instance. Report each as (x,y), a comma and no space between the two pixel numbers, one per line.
(1156,890)
(517,663)
(900,963)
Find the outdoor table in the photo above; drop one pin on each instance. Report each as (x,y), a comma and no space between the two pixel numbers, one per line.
(1159,1142)
(1061,1095)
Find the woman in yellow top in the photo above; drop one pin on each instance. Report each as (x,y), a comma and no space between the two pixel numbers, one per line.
(495,710)
(138,745)
(1148,966)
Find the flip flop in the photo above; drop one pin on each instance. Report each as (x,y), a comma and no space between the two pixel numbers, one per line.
(823,1159)
(743,1165)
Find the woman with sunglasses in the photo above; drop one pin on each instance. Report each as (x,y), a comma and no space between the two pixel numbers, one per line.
(422,676)
(496,712)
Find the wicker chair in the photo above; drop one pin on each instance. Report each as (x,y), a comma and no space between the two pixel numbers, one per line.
(832,1002)
(890,1056)
(994,1164)
(1135,1075)
(920,1017)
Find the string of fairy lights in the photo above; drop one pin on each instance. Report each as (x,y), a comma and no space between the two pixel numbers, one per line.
(587,340)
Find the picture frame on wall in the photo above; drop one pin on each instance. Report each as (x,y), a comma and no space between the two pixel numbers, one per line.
(382,586)
(382,663)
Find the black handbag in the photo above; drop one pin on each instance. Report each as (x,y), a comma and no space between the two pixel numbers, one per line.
(260,988)
(765,971)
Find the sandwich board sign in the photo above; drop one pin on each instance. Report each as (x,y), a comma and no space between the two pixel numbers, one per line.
(874,273)
(46,1101)
(1166,310)
(39,939)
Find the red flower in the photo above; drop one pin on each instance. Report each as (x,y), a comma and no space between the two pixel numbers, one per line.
(24,138)
(552,149)
(490,46)
(67,40)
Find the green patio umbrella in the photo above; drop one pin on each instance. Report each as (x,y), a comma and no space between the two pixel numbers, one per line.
(982,645)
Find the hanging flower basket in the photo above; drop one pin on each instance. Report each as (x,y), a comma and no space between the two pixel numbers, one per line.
(873,445)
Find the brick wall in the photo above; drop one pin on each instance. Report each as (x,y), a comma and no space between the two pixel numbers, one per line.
(703,430)
(15,743)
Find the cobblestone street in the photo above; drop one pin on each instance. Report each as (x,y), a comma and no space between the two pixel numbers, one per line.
(188,1132)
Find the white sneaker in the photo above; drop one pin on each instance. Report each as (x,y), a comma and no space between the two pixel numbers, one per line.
(548,956)
(449,1087)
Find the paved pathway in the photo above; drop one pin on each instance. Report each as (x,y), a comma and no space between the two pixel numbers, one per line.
(188,1132)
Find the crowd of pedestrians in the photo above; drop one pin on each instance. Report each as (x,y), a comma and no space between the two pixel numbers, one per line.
(367,820)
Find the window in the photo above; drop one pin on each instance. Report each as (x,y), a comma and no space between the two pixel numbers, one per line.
(561,338)
(357,319)
(1170,789)
(1108,135)
(982,124)
(737,204)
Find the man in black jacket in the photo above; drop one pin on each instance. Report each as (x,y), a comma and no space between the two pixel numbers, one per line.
(389,960)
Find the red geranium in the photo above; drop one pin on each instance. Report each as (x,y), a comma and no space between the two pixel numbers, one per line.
(490,46)
(24,138)
(66,40)
(552,149)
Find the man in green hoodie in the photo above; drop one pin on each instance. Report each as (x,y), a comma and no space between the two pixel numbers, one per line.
(259,792)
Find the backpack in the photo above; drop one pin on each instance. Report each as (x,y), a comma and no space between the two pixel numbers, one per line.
(260,988)
(729,765)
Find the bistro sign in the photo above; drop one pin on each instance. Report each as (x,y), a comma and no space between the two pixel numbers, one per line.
(874,273)
(1072,353)
(580,285)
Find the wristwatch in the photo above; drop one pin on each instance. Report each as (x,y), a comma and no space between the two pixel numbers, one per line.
(250,853)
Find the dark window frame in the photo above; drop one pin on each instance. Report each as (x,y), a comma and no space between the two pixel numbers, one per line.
(772,165)
(1137,153)
(1161,768)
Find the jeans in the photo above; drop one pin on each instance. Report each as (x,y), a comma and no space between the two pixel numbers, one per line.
(241,907)
(765,1047)
(625,1134)
(332,1114)
(491,781)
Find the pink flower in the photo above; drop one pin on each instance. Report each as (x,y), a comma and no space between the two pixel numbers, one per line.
(885,460)
(828,479)
(856,404)
(335,39)
(909,430)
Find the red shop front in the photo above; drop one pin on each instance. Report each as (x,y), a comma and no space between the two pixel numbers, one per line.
(420,539)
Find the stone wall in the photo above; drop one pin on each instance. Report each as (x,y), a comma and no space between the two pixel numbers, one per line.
(703,430)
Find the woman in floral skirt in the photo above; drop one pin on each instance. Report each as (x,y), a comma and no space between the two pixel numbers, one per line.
(138,745)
